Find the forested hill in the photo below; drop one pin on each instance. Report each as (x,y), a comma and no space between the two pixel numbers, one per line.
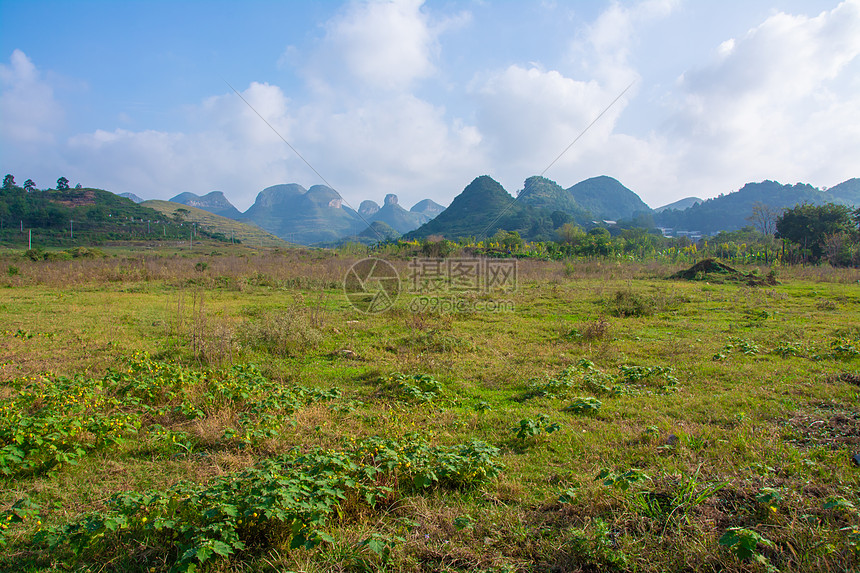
(92,216)
(731,212)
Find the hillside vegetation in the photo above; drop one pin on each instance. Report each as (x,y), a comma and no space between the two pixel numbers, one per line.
(73,217)
(229,228)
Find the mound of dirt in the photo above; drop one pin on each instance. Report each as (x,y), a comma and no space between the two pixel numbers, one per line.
(712,270)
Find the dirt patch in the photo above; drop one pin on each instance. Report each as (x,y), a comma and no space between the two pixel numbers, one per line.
(712,270)
(834,429)
(77,199)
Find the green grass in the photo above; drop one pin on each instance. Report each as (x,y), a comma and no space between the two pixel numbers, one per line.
(765,397)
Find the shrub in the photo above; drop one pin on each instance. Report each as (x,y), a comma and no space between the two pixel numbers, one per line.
(283,333)
(626,303)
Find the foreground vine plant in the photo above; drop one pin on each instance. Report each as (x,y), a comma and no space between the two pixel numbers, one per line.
(293,496)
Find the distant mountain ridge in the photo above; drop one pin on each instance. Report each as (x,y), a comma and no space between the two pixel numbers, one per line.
(131,196)
(214,202)
(297,215)
(396,217)
(480,210)
(730,212)
(318,215)
(680,204)
(427,207)
(606,198)
(542,193)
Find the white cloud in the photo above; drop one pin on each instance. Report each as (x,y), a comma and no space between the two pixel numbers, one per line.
(232,150)
(28,111)
(528,116)
(779,102)
(378,45)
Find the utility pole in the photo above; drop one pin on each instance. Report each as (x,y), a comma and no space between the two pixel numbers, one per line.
(30,240)
(72,227)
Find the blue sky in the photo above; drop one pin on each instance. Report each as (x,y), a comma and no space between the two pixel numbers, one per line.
(418,98)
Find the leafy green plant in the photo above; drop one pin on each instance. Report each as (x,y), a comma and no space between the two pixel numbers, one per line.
(647,378)
(528,428)
(546,388)
(21,511)
(415,387)
(624,480)
(294,495)
(584,405)
(744,544)
(569,494)
(770,497)
(596,546)
(840,503)
(482,407)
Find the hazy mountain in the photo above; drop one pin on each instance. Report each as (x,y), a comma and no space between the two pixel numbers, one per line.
(479,211)
(398,218)
(368,208)
(227,227)
(300,216)
(427,207)
(542,193)
(847,192)
(131,196)
(607,198)
(214,202)
(680,204)
(375,233)
(379,231)
(730,212)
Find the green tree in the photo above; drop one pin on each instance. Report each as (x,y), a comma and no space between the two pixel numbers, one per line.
(513,241)
(569,233)
(29,185)
(8,181)
(808,226)
(62,184)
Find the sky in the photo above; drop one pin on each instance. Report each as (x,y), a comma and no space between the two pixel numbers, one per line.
(419,98)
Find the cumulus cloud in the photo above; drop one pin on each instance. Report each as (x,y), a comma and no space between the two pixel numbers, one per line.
(28,111)
(378,45)
(229,149)
(529,115)
(776,102)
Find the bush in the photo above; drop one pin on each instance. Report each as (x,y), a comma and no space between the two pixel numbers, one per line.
(626,303)
(282,333)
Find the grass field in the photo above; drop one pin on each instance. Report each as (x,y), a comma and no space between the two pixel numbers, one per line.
(235,413)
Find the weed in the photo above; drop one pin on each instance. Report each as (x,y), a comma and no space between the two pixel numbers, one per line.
(528,428)
(744,544)
(586,405)
(294,495)
(627,303)
(624,480)
(287,332)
